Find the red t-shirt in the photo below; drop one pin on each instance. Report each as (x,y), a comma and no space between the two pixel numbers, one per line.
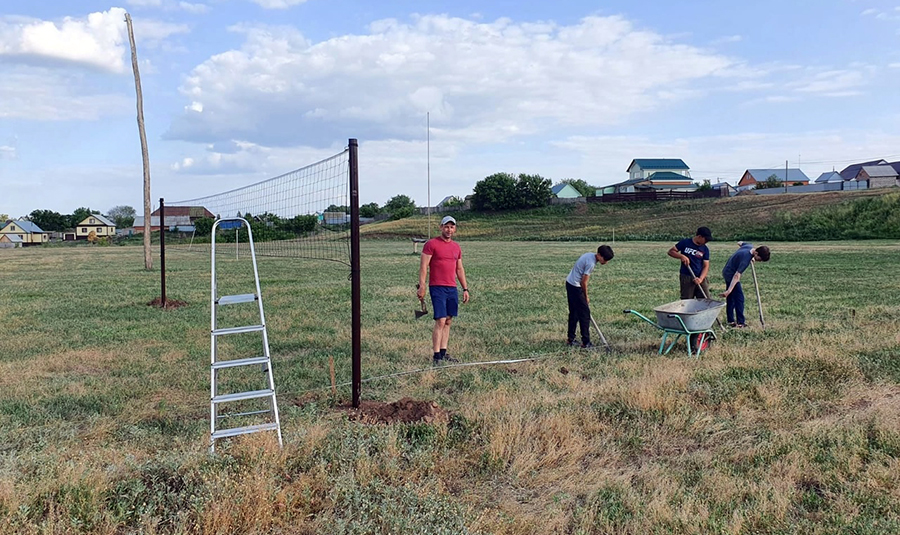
(444,254)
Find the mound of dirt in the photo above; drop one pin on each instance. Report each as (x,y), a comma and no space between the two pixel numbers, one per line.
(406,410)
(170,303)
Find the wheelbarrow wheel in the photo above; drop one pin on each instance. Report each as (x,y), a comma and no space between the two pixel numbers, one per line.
(701,341)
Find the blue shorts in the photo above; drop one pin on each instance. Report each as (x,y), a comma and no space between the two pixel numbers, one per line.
(444,300)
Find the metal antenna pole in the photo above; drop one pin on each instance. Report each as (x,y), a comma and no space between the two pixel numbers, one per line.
(428,164)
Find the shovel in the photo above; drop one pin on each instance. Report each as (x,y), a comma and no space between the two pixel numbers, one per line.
(608,347)
(423,311)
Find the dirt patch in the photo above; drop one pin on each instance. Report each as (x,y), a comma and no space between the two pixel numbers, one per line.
(406,410)
(170,303)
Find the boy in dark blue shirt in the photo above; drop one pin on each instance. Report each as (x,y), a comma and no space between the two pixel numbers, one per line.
(736,265)
(694,256)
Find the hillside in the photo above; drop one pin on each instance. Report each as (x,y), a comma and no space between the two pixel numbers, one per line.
(817,216)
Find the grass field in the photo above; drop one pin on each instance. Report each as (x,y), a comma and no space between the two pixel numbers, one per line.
(791,429)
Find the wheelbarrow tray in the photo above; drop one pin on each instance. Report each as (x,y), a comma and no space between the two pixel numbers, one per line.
(697,314)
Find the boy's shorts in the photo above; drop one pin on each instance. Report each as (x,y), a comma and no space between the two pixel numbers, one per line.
(444,300)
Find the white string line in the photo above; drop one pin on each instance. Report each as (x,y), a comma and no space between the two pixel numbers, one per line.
(433,368)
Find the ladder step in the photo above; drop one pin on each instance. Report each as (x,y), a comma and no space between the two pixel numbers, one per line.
(237,330)
(236,414)
(223,433)
(232,299)
(239,362)
(239,396)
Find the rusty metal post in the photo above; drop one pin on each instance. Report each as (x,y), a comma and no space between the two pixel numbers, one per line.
(162,251)
(356,288)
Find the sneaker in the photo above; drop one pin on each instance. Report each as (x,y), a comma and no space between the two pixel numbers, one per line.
(732,324)
(587,345)
(572,343)
(740,326)
(450,360)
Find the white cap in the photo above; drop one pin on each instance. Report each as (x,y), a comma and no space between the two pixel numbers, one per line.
(447,219)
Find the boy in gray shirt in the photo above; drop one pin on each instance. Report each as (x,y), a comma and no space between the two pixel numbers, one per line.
(577,293)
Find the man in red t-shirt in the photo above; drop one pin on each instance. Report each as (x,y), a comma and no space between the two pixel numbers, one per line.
(442,261)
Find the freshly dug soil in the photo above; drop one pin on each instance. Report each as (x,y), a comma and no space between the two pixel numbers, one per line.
(405,410)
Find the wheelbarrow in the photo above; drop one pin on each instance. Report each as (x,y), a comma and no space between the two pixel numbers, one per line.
(691,318)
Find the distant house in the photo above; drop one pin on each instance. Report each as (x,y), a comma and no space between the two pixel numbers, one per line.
(24,233)
(829,177)
(193,213)
(335,218)
(96,223)
(752,177)
(565,191)
(878,176)
(644,167)
(658,181)
(728,188)
(9,241)
(174,223)
(851,171)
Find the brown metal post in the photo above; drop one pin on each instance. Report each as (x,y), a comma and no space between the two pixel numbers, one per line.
(162,250)
(355,285)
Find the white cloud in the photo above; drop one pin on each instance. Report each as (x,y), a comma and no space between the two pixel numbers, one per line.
(277,4)
(144,3)
(727,39)
(196,9)
(281,88)
(832,83)
(39,94)
(96,40)
(7,152)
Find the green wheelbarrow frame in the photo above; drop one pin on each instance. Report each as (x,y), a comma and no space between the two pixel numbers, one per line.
(684,331)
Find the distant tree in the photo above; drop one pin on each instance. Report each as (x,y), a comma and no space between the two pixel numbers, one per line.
(49,220)
(369,210)
(400,206)
(79,215)
(705,186)
(495,192)
(300,224)
(336,208)
(123,215)
(533,191)
(4,218)
(585,189)
(203,226)
(772,182)
(797,184)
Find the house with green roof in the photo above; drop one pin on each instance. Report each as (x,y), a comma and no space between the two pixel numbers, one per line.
(657,174)
(644,167)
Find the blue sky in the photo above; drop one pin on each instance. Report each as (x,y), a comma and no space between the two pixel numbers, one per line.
(237,91)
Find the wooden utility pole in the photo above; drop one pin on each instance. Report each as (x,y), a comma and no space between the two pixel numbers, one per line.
(145,155)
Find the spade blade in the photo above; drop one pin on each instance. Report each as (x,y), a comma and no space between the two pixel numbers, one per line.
(423,311)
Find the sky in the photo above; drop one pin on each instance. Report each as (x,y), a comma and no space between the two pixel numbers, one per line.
(439,93)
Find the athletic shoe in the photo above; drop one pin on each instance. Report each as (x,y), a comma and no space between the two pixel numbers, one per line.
(450,360)
(571,343)
(587,345)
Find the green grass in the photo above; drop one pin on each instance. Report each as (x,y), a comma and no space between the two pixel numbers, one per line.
(791,429)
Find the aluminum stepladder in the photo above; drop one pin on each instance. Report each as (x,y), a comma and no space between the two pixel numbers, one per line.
(217,365)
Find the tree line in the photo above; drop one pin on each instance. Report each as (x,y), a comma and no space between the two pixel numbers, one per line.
(48,220)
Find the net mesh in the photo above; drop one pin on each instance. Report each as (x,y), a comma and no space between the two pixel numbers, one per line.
(301,214)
